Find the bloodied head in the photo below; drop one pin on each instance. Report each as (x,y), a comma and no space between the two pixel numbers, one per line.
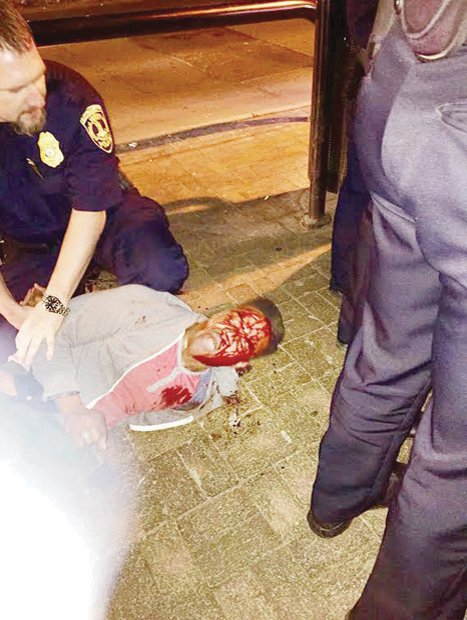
(235,336)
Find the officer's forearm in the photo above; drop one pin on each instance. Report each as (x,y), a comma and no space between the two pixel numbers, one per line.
(81,237)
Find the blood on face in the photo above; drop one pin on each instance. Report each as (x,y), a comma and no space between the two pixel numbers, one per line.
(244,333)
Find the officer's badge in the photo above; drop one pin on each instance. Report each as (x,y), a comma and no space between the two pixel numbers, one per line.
(49,149)
(97,127)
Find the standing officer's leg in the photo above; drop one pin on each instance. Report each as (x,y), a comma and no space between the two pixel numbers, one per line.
(386,373)
(20,275)
(351,205)
(353,298)
(421,569)
(138,247)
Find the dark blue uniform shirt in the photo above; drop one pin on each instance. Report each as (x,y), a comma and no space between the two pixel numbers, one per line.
(69,165)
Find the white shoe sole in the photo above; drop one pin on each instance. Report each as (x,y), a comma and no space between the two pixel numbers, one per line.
(147,428)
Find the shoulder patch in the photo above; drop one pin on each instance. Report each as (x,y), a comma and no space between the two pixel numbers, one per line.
(49,149)
(95,122)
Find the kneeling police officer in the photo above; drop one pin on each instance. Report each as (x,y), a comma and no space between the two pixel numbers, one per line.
(62,199)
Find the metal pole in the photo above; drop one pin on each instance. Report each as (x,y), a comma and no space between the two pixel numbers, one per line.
(320,120)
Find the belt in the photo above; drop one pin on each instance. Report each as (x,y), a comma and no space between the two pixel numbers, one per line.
(12,249)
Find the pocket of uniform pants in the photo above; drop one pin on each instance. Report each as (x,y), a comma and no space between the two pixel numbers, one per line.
(454,114)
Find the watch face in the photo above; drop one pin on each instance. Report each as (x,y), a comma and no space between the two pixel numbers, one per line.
(53,304)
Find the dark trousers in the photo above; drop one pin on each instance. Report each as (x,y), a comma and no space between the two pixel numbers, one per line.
(351,206)
(136,246)
(414,329)
(351,242)
(354,295)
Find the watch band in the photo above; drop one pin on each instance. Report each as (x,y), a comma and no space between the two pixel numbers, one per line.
(54,305)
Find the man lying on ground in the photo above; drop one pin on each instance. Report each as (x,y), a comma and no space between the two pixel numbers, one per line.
(143,356)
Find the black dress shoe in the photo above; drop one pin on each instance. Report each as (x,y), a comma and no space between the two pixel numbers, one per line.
(329,530)
(326,530)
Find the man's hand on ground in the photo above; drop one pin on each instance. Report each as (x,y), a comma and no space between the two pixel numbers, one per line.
(38,326)
(86,427)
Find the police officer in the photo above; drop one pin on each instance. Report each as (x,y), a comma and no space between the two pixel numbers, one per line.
(61,196)
(411,136)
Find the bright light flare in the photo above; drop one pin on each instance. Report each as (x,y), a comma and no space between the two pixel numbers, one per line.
(45,566)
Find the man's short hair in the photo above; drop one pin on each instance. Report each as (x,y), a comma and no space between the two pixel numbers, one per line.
(15,34)
(272,312)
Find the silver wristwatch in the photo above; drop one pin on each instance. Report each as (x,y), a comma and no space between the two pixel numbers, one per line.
(54,305)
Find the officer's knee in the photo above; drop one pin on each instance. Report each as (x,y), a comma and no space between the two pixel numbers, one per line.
(146,251)
(168,271)
(160,268)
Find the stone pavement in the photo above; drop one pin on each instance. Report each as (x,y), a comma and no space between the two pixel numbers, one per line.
(222,532)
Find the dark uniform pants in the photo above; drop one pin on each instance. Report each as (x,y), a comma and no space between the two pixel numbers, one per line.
(351,206)
(353,195)
(421,567)
(136,246)
(412,142)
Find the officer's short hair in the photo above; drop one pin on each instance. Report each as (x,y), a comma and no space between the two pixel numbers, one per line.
(15,34)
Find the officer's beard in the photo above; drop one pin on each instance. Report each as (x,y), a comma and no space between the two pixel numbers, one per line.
(28,124)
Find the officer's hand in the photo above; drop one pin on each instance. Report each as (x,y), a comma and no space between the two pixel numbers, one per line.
(86,427)
(40,325)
